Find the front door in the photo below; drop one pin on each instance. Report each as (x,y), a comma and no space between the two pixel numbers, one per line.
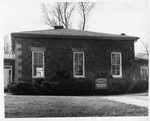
(7,76)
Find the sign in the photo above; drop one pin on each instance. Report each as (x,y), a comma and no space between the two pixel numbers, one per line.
(101,83)
(39,71)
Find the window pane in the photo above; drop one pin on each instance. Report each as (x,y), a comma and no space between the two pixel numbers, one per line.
(113,59)
(115,67)
(35,55)
(41,61)
(80,70)
(80,55)
(35,68)
(144,70)
(40,55)
(35,58)
(118,61)
(76,56)
(78,67)
(117,72)
(144,73)
(76,70)
(80,61)
(117,56)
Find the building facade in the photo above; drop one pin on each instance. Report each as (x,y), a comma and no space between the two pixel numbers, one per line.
(80,54)
(141,69)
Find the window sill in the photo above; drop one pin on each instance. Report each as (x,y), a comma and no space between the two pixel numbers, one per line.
(38,77)
(117,76)
(79,76)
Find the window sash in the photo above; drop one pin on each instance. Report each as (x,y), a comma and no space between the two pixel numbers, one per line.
(38,64)
(78,64)
(116,65)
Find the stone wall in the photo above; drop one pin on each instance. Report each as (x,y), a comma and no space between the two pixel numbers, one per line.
(59,56)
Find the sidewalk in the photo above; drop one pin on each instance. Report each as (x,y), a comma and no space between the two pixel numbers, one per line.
(133,99)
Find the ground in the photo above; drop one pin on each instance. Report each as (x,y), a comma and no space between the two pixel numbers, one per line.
(68,106)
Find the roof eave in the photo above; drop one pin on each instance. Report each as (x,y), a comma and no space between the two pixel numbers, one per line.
(76,37)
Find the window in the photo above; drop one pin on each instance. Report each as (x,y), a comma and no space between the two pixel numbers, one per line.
(116,65)
(78,64)
(144,73)
(38,64)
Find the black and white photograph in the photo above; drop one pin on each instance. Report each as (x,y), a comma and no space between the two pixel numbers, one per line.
(75,59)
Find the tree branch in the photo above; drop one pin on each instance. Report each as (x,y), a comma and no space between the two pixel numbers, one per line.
(59,14)
(84,9)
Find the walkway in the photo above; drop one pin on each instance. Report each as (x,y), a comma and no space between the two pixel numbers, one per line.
(140,99)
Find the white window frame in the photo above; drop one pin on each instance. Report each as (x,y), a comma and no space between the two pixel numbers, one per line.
(78,76)
(33,65)
(143,67)
(117,76)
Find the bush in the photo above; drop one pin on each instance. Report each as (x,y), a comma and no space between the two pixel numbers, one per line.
(36,85)
(117,86)
(75,87)
(46,88)
(61,83)
(82,87)
(122,86)
(63,87)
(72,87)
(137,86)
(21,88)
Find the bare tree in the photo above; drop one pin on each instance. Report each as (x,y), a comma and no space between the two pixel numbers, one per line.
(58,14)
(7,45)
(84,9)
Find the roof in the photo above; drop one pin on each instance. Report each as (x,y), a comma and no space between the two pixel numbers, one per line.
(9,56)
(141,58)
(72,33)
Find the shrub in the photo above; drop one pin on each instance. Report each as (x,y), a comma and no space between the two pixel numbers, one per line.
(61,83)
(72,87)
(64,87)
(137,86)
(117,86)
(46,88)
(12,87)
(82,87)
(36,85)
(75,87)
(123,86)
(21,88)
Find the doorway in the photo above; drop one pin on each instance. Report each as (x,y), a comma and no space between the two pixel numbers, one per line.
(7,75)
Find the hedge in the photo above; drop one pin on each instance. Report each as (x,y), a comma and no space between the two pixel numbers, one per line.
(74,87)
(21,88)
(82,87)
(124,87)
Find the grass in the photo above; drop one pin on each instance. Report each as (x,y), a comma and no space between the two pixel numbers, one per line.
(67,106)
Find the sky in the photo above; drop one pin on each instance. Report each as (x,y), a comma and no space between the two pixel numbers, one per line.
(129,17)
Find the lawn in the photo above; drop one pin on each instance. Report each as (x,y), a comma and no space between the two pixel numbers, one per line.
(68,106)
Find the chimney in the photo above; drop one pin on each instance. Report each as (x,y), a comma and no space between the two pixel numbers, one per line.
(58,27)
(123,34)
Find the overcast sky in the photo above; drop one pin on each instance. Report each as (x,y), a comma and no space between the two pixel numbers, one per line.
(108,17)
